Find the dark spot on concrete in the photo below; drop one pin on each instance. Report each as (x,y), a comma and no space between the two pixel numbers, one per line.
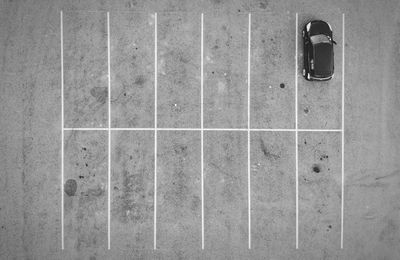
(305,141)
(282,85)
(306,110)
(81,177)
(267,153)
(100,93)
(84,148)
(140,80)
(70,187)
(130,157)
(239,10)
(330,226)
(263,4)
(86,164)
(263,40)
(180,149)
(316,168)
(323,157)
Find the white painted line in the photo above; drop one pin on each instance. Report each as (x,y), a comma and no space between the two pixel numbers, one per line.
(319,130)
(248,131)
(133,129)
(62,129)
(85,129)
(297,139)
(202,127)
(155,132)
(272,130)
(342,206)
(109,135)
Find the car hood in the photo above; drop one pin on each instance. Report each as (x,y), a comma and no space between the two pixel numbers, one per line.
(323,59)
(320,27)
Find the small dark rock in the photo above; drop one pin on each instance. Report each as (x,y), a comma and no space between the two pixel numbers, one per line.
(282,85)
(316,168)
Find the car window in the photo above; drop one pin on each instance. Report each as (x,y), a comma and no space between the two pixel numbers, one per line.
(320,38)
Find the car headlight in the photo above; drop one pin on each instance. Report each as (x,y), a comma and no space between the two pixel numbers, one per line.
(308,26)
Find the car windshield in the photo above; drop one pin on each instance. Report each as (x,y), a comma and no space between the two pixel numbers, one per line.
(320,38)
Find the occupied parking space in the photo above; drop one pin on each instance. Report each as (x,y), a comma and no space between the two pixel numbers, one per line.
(85,66)
(320,102)
(272,70)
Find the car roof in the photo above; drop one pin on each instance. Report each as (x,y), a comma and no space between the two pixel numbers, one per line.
(323,59)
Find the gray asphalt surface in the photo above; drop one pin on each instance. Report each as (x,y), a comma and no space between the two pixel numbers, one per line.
(30,135)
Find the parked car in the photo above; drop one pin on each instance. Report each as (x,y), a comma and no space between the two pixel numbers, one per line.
(318,51)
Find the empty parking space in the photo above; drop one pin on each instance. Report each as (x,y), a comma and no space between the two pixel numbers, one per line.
(319,193)
(225,70)
(85,69)
(273,192)
(225,193)
(132,190)
(178,70)
(179,193)
(132,69)
(272,70)
(85,200)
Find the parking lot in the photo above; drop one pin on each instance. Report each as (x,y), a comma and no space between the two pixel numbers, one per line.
(212,145)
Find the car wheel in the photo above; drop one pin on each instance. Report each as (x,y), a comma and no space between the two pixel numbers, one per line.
(308,76)
(304,72)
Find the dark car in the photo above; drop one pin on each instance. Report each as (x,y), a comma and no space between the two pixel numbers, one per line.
(318,51)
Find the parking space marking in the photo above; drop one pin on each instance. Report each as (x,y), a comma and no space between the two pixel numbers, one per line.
(62,129)
(109,129)
(248,130)
(297,139)
(109,136)
(155,132)
(202,129)
(202,132)
(342,206)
